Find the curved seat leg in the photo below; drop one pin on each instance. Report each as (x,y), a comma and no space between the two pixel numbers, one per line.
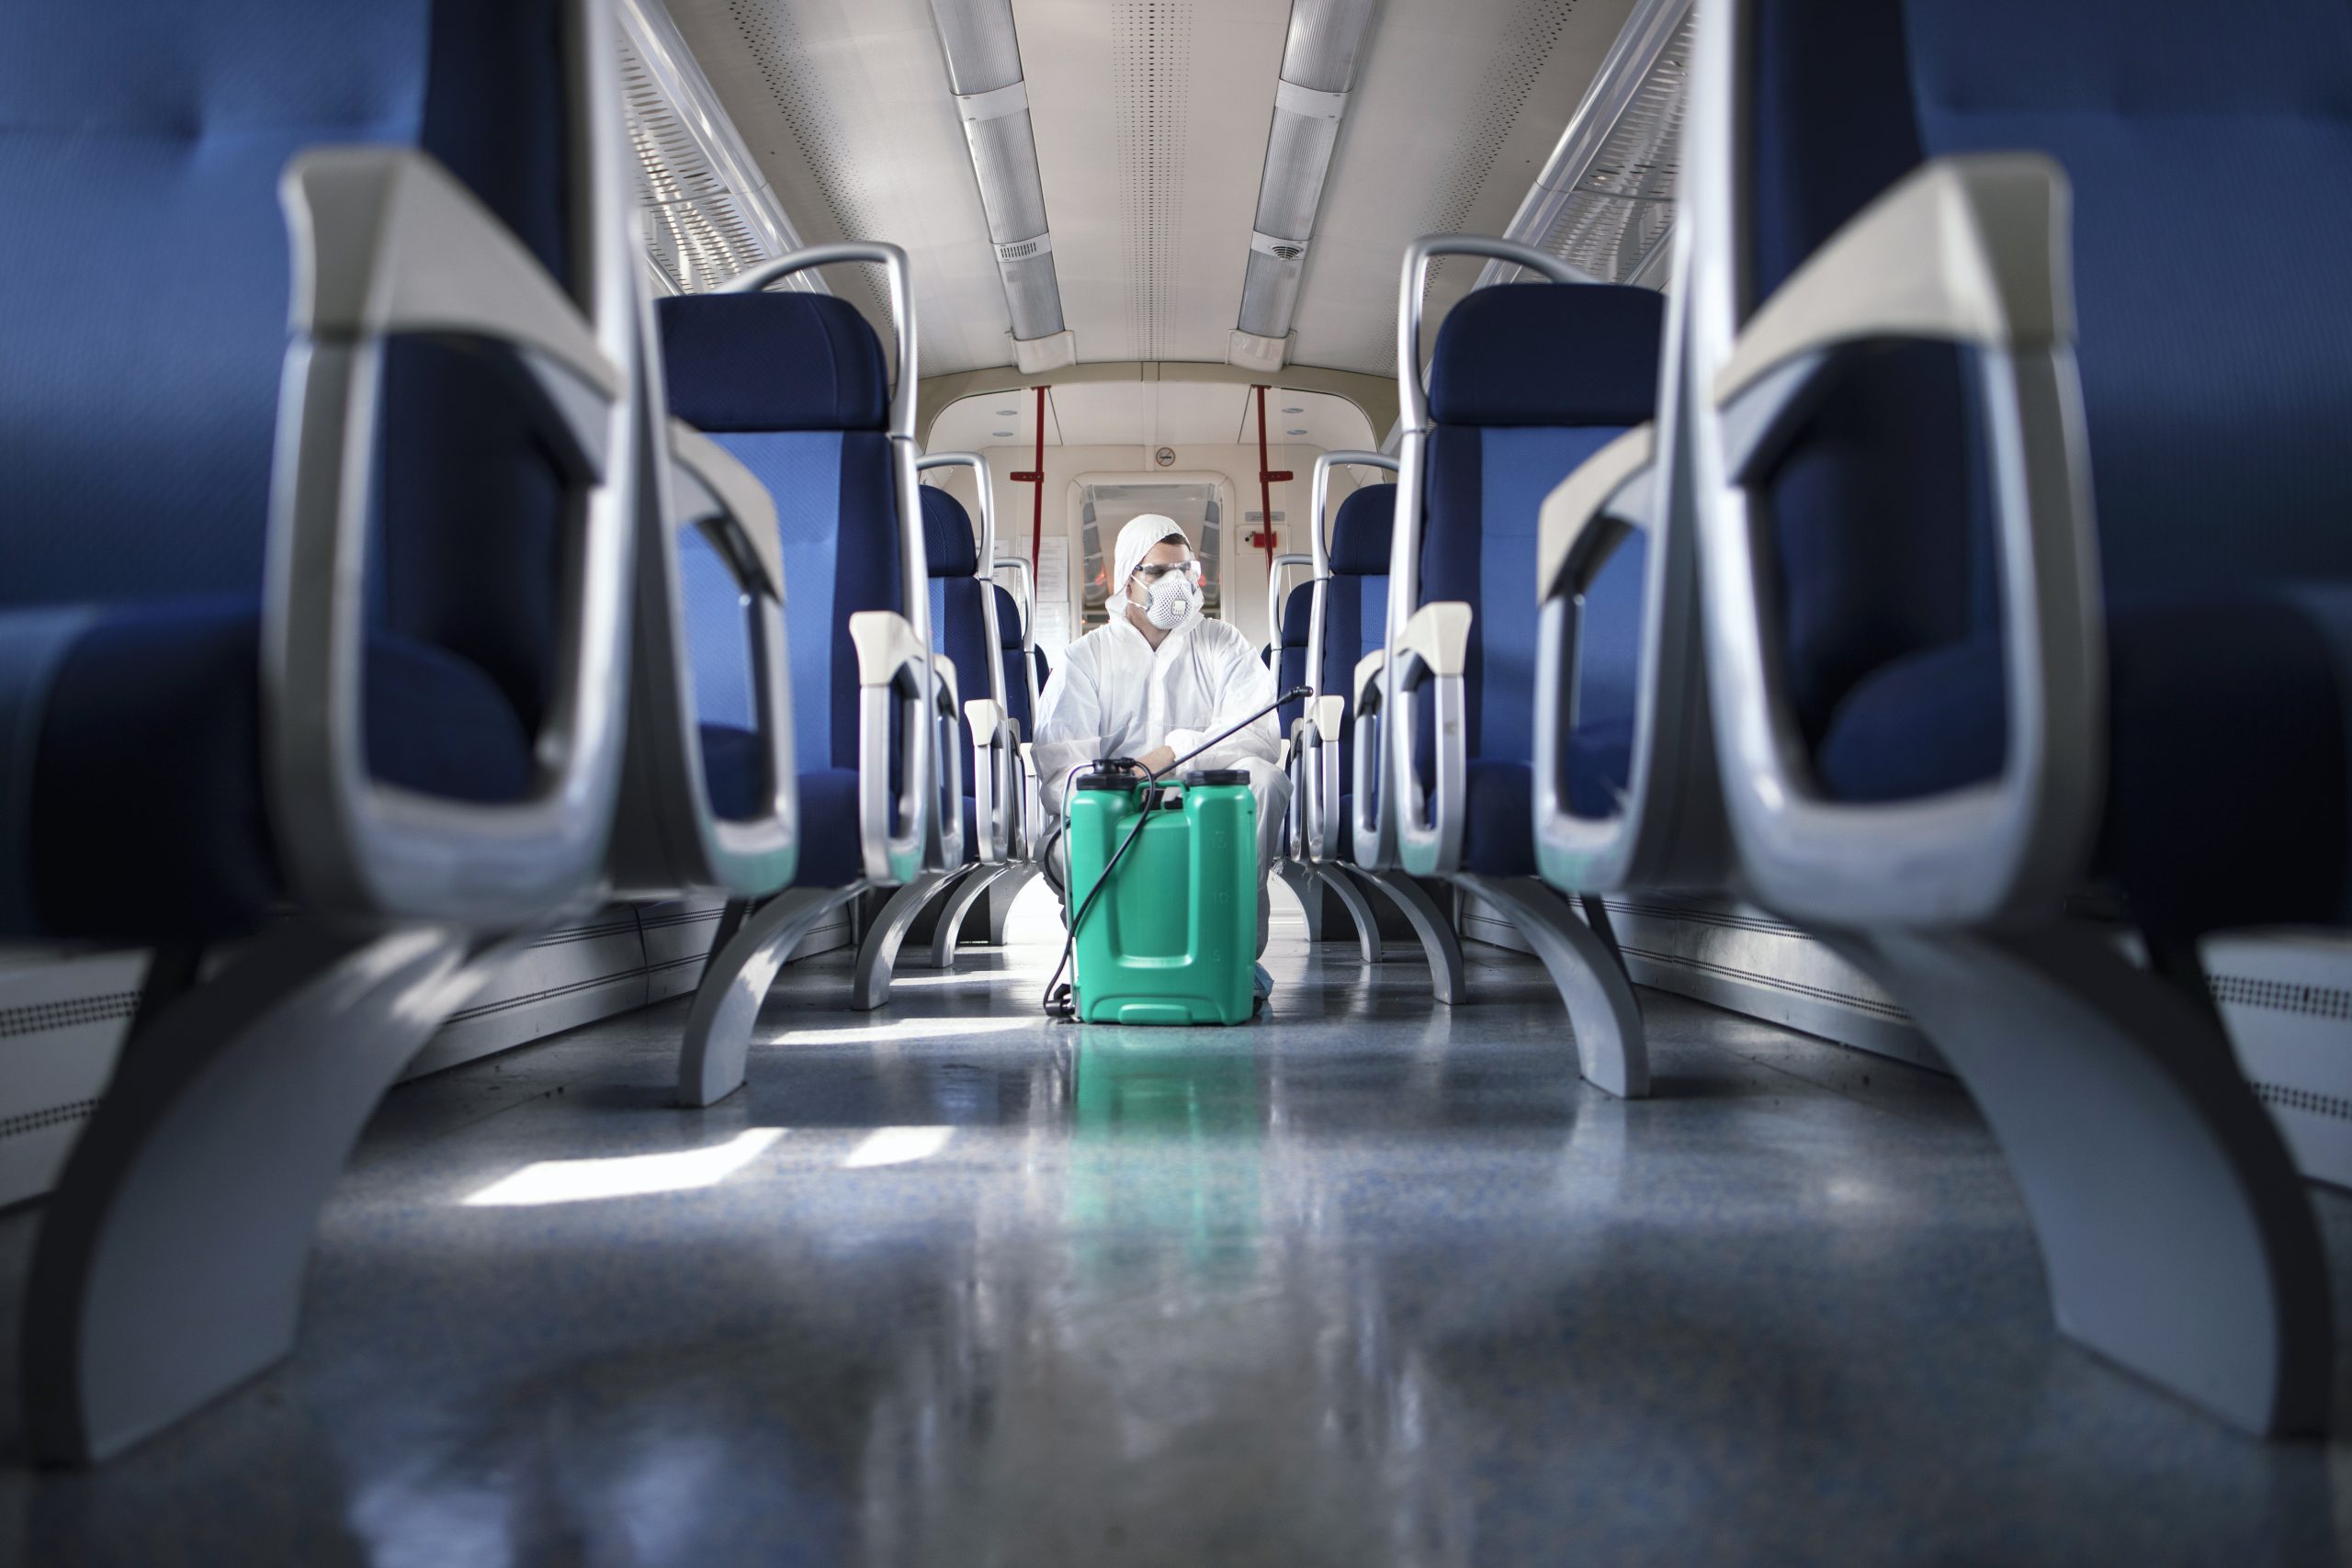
(1308,889)
(2177,1237)
(1612,1050)
(1430,924)
(1359,908)
(877,955)
(736,980)
(170,1261)
(958,904)
(1002,896)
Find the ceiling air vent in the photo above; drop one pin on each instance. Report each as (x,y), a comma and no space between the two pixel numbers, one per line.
(1605,201)
(708,212)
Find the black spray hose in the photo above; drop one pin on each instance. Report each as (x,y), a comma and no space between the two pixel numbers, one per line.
(1058,1000)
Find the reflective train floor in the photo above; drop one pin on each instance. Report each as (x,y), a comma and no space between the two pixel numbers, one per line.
(1374,1283)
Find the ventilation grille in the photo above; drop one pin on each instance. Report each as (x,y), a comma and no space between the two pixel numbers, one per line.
(1619,213)
(2306,1100)
(39,1018)
(2284,996)
(696,233)
(1152,43)
(773,40)
(46,1117)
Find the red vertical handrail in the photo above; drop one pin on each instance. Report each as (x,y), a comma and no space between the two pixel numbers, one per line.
(1036,496)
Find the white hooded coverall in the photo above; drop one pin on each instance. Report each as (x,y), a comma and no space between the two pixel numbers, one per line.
(1113,695)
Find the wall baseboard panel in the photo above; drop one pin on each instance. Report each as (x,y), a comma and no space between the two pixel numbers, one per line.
(2286,998)
(63,1013)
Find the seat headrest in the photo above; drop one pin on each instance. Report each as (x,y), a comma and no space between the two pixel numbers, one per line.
(1359,531)
(1549,354)
(1298,615)
(947,543)
(744,363)
(1008,619)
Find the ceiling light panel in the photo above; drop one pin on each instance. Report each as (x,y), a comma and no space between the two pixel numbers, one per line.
(983,58)
(1317,72)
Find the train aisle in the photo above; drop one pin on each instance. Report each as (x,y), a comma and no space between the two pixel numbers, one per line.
(1378,1282)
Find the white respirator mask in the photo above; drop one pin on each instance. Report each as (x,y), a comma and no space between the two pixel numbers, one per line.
(1172,601)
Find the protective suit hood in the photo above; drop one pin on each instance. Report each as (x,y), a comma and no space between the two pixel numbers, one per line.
(1135,542)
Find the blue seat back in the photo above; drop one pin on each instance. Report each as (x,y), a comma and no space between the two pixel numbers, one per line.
(138,387)
(1355,602)
(1289,649)
(2215,402)
(958,625)
(796,386)
(1528,381)
(1009,655)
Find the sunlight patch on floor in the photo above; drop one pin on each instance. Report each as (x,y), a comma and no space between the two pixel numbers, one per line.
(898,1145)
(624,1176)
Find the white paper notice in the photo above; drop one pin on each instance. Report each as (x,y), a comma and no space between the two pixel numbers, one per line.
(1053,596)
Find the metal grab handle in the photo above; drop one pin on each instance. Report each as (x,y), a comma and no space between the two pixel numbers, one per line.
(1319,535)
(893,262)
(1274,600)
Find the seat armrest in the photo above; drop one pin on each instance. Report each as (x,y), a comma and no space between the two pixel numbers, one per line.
(1435,641)
(387,243)
(887,650)
(1432,651)
(891,667)
(1367,680)
(714,483)
(1315,746)
(1566,526)
(1969,250)
(995,776)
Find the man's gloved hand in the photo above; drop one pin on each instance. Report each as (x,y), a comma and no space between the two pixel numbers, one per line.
(1151,762)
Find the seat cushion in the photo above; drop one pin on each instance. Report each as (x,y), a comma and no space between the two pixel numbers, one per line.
(1499,833)
(831,853)
(734,772)
(168,691)
(2227,775)
(1600,762)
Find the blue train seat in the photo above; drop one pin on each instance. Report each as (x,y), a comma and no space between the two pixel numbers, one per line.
(1290,649)
(1012,640)
(1355,621)
(960,626)
(2060,590)
(1527,381)
(796,388)
(195,730)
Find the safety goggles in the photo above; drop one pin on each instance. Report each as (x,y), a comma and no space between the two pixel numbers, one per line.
(1152,574)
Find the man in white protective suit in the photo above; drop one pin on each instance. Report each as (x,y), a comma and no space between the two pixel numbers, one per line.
(1156,681)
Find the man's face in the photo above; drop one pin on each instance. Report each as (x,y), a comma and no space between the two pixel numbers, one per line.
(1168,555)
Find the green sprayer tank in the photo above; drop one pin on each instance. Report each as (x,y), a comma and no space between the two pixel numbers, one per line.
(1172,939)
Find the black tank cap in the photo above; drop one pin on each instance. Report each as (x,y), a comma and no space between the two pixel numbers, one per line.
(1108,781)
(1218,776)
